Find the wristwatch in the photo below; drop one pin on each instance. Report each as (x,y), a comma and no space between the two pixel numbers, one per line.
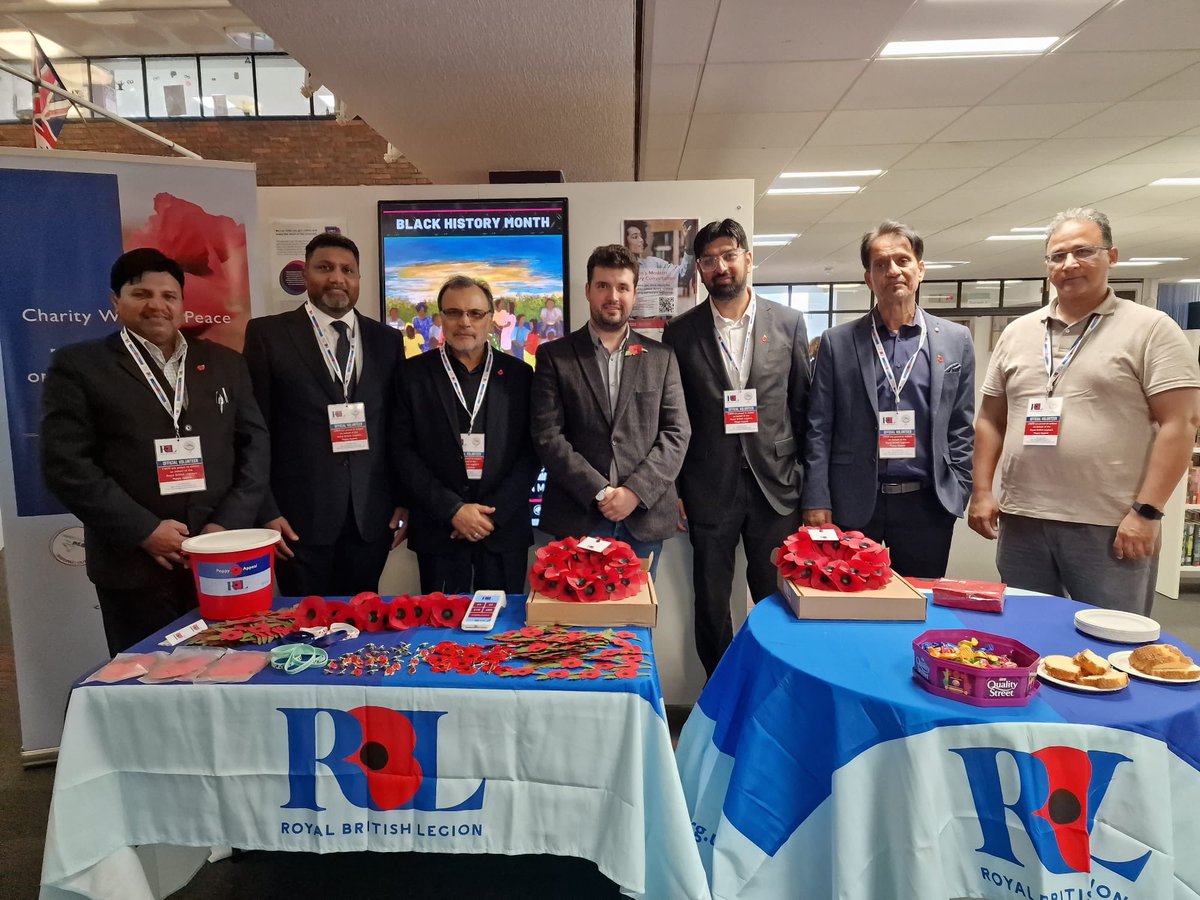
(1146,511)
(602,493)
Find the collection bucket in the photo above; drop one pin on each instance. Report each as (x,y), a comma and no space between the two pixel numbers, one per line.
(234,571)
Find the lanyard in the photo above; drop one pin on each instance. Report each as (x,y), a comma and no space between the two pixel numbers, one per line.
(458,392)
(331,362)
(746,344)
(173,411)
(886,364)
(1054,374)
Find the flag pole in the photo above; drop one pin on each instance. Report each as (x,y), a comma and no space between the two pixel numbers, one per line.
(99,110)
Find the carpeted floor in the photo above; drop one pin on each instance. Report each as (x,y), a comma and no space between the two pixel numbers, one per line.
(25,803)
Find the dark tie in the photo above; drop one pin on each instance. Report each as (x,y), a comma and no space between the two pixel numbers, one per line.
(342,352)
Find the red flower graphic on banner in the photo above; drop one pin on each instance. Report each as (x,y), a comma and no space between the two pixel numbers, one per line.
(211,250)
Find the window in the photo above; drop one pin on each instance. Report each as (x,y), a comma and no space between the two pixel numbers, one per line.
(173,86)
(279,80)
(227,86)
(119,86)
(1023,293)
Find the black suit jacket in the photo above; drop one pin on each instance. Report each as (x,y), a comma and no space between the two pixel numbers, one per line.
(311,486)
(779,372)
(429,454)
(99,423)
(578,438)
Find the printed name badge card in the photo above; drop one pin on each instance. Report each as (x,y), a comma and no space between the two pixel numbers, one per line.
(348,427)
(472,445)
(741,411)
(898,434)
(1043,421)
(180,465)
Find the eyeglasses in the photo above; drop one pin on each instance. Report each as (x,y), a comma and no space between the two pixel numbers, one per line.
(729,257)
(475,315)
(1081,254)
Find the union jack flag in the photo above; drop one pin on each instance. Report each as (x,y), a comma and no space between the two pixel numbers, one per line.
(49,109)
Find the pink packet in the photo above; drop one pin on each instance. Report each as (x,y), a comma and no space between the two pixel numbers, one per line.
(182,664)
(235,666)
(124,666)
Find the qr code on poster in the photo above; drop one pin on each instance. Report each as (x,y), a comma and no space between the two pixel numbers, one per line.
(666,306)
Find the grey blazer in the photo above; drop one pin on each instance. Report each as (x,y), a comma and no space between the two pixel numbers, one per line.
(843,421)
(578,439)
(779,372)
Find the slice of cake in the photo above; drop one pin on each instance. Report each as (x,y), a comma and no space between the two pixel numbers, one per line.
(1061,667)
(1176,671)
(1110,679)
(1091,663)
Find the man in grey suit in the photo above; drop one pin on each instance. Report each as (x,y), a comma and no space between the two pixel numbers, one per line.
(744,364)
(608,419)
(889,426)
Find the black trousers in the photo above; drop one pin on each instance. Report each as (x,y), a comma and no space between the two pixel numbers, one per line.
(341,569)
(714,546)
(473,568)
(917,530)
(133,614)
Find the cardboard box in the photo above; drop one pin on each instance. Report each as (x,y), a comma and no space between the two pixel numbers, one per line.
(896,601)
(640,609)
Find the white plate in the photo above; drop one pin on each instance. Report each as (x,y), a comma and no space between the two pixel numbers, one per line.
(1117,626)
(1120,659)
(1087,688)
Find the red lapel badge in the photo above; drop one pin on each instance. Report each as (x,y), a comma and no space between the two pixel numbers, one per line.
(940,359)
(200,368)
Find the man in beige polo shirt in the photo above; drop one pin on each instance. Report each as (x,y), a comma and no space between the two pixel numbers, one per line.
(1090,406)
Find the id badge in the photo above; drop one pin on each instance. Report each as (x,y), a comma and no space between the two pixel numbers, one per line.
(472,446)
(180,465)
(348,427)
(898,434)
(1043,422)
(741,411)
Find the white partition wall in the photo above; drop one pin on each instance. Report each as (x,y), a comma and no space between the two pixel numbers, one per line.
(595,212)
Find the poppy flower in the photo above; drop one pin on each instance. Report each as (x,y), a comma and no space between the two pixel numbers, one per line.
(400,614)
(312,612)
(347,615)
(371,612)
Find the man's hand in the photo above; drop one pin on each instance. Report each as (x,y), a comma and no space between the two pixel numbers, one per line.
(165,543)
(280,524)
(473,521)
(1137,537)
(816,517)
(211,527)
(399,524)
(983,515)
(681,525)
(619,503)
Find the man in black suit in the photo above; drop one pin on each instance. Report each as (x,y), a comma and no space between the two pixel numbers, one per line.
(324,377)
(744,361)
(464,453)
(609,419)
(124,420)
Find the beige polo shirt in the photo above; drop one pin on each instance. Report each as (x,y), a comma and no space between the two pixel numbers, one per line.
(1095,471)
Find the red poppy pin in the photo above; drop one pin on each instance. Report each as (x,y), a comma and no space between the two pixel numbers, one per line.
(200,368)
(764,338)
(499,372)
(635,350)
(941,358)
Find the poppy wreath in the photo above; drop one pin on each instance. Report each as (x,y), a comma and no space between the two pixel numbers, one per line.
(849,562)
(565,571)
(370,612)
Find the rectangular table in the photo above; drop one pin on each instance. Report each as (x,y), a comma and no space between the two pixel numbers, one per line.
(814,766)
(150,777)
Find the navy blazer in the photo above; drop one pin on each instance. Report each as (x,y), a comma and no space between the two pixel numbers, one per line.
(841,459)
(311,485)
(429,457)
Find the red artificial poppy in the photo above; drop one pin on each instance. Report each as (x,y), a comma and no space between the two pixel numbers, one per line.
(364,597)
(371,611)
(532,631)
(420,610)
(572,662)
(348,616)
(558,673)
(627,635)
(524,670)
(605,665)
(589,674)
(312,612)
(627,672)
(400,614)
(441,611)
(537,647)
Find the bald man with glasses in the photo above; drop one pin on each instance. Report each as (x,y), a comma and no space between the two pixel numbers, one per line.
(1090,409)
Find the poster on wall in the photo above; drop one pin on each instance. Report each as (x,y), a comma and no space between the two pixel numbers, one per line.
(79,212)
(519,247)
(666,271)
(289,237)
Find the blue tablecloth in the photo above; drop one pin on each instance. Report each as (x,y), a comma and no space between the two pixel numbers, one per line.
(150,776)
(807,725)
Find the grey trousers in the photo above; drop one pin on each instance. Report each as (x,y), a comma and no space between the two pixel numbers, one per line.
(1069,559)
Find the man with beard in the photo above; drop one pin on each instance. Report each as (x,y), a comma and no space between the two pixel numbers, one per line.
(464,452)
(609,420)
(744,364)
(324,377)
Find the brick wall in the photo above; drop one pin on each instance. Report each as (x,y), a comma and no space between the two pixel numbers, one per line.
(288,152)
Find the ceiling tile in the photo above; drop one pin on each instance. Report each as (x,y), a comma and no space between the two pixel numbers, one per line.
(1008,122)
(958,154)
(672,89)
(1086,77)
(1086,152)
(666,132)
(889,83)
(928,20)
(1143,25)
(1183,85)
(825,159)
(753,130)
(784,30)
(1157,118)
(931,181)
(869,208)
(1184,150)
(775,87)
(883,126)
(679,30)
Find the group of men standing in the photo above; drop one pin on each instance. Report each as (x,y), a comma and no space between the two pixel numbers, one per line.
(722,430)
